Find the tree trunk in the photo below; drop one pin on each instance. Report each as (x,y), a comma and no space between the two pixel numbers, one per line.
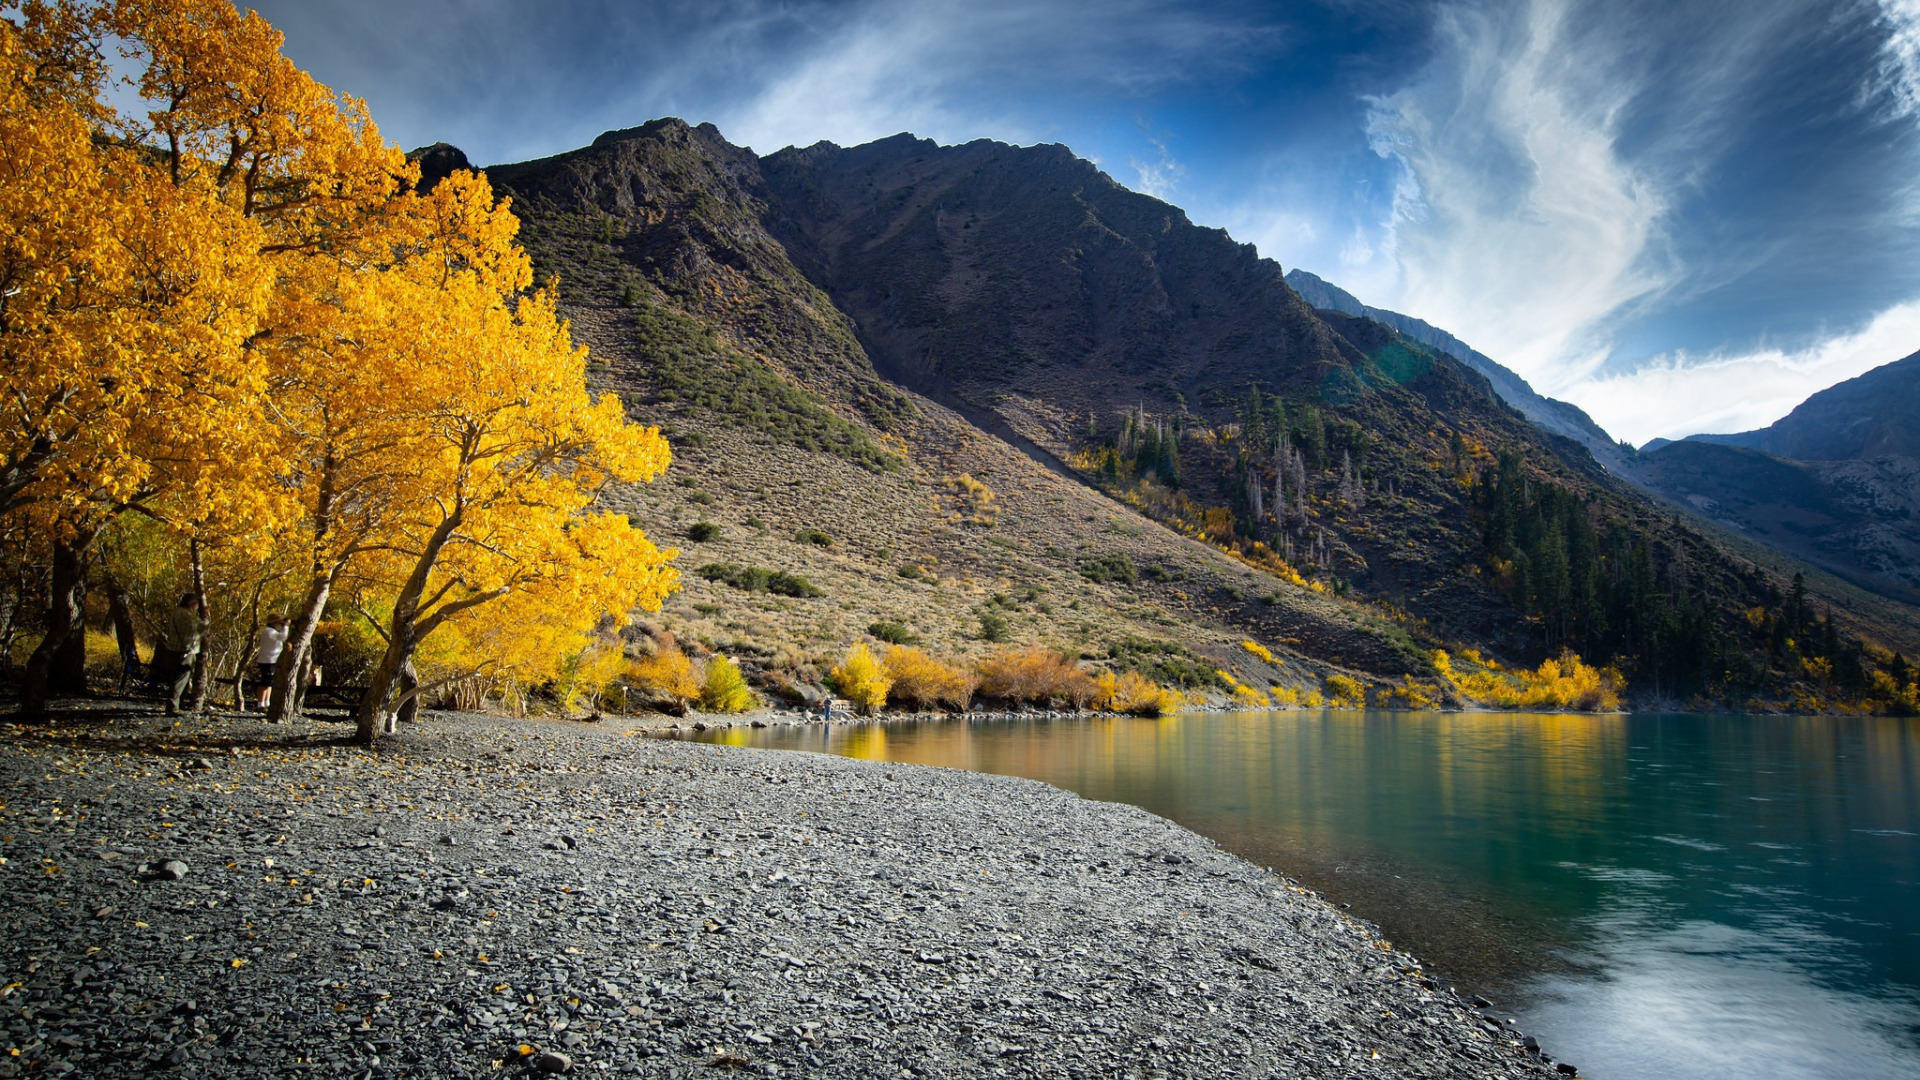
(64,621)
(409,709)
(374,718)
(404,633)
(123,634)
(202,660)
(289,674)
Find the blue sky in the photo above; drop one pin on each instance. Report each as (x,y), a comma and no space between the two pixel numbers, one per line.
(1682,215)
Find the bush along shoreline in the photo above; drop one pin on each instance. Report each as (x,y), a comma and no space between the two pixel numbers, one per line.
(479,898)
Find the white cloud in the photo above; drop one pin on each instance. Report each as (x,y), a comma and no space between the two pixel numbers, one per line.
(1519,226)
(954,70)
(1678,394)
(1900,58)
(1158,176)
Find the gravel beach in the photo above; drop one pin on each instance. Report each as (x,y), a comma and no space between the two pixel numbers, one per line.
(484,897)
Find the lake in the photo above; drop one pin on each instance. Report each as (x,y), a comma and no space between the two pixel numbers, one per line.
(1652,896)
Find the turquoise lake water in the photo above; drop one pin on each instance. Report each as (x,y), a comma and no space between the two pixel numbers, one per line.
(1652,896)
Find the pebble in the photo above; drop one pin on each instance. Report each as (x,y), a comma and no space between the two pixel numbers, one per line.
(782,914)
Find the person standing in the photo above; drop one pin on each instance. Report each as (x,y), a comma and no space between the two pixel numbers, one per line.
(267,646)
(179,644)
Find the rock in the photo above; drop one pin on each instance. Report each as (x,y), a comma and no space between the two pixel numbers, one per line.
(570,842)
(171,870)
(379,830)
(572,1040)
(551,1061)
(1566,1069)
(1481,1003)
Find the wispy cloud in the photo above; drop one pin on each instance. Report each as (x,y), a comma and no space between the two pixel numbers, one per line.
(1900,59)
(1678,394)
(953,70)
(1159,175)
(1519,225)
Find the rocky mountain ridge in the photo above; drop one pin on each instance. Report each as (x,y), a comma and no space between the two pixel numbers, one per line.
(1550,414)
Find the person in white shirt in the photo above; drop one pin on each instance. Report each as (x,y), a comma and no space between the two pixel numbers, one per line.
(267,646)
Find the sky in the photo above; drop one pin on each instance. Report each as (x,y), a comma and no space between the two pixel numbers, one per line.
(1681,215)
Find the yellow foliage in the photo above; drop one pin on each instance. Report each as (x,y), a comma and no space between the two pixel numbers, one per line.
(1346,693)
(1565,683)
(1284,695)
(1258,650)
(724,690)
(1037,676)
(861,679)
(669,671)
(1134,693)
(970,501)
(921,681)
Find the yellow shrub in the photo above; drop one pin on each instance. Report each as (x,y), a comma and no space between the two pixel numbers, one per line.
(585,675)
(860,679)
(1037,676)
(1258,650)
(1284,695)
(1346,693)
(1134,693)
(921,681)
(725,691)
(668,671)
(1565,683)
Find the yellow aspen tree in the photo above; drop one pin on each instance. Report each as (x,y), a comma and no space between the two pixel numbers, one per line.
(509,453)
(128,301)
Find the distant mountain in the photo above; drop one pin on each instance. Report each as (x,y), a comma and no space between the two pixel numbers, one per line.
(1876,415)
(1835,482)
(1549,414)
(1859,519)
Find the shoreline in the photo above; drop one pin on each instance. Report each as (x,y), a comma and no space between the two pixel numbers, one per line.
(480,887)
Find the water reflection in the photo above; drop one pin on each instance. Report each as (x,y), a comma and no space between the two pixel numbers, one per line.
(1661,895)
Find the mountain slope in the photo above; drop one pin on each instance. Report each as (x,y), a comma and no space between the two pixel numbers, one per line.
(1857,519)
(1870,416)
(967,387)
(1835,482)
(1550,414)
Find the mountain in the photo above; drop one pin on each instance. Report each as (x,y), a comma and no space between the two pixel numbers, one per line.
(1549,414)
(984,392)
(1836,482)
(1871,416)
(1858,519)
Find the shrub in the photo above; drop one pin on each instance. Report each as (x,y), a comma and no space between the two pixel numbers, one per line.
(921,681)
(786,584)
(993,626)
(816,537)
(1165,663)
(910,572)
(1134,693)
(699,498)
(1107,568)
(1258,650)
(860,679)
(1243,695)
(1565,683)
(893,633)
(757,579)
(702,531)
(1345,693)
(725,691)
(668,671)
(1036,676)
